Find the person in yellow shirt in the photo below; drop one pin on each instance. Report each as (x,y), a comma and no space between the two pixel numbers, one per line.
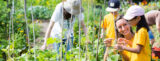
(125,33)
(141,50)
(108,26)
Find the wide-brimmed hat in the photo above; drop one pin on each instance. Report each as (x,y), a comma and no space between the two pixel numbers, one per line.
(74,7)
(134,11)
(113,5)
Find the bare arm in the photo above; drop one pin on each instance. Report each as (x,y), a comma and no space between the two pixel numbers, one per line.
(152,41)
(135,50)
(84,27)
(51,24)
(48,31)
(102,33)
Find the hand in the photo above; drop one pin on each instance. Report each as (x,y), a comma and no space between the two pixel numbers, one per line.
(43,47)
(101,36)
(108,42)
(121,41)
(87,40)
(119,47)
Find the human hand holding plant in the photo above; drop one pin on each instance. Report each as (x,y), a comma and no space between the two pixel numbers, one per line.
(87,40)
(44,45)
(122,41)
(121,44)
(108,42)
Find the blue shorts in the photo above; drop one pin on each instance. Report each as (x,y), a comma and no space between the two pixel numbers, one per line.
(150,35)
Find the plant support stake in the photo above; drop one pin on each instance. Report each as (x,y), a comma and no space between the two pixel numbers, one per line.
(33,32)
(98,35)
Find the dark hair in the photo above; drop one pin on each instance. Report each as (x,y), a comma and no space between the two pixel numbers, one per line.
(142,23)
(66,14)
(118,18)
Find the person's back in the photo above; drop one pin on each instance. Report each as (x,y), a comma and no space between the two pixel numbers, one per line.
(151,17)
(63,19)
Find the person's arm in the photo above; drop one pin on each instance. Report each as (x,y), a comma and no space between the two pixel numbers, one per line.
(47,34)
(152,41)
(134,50)
(158,22)
(84,27)
(102,32)
(85,31)
(103,27)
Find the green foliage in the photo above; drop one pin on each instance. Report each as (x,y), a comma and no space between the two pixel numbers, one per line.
(113,55)
(36,31)
(46,55)
(18,48)
(42,9)
(40,12)
(51,40)
(3,19)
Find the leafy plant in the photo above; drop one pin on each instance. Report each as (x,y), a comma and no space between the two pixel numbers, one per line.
(40,12)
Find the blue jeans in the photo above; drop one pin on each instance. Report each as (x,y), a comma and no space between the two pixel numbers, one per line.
(69,44)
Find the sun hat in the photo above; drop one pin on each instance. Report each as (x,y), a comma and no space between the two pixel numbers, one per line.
(73,6)
(113,5)
(134,11)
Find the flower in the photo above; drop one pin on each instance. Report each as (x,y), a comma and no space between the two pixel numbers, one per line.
(149,4)
(154,4)
(144,2)
(2,23)
(21,31)
(18,29)
(17,21)
(19,16)
(47,3)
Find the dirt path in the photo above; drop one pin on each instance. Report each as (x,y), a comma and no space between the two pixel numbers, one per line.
(43,28)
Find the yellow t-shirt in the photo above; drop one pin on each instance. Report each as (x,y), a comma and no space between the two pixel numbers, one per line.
(108,24)
(141,38)
(127,53)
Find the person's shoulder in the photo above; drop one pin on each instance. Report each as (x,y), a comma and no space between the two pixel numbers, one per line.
(143,30)
(152,12)
(107,15)
(58,6)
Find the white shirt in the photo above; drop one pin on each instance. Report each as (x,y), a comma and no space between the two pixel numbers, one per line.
(57,17)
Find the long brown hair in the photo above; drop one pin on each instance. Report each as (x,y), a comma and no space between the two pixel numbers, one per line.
(119,34)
